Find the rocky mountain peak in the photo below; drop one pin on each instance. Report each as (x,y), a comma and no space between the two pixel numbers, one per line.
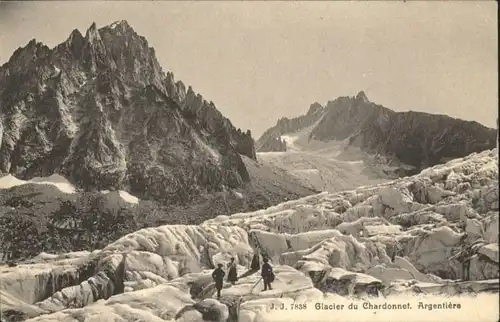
(122,29)
(314,108)
(75,35)
(32,43)
(362,97)
(92,34)
(75,42)
(415,139)
(271,139)
(28,53)
(100,110)
(121,24)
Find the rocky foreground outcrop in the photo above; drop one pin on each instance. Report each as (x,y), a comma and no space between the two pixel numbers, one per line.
(411,140)
(379,241)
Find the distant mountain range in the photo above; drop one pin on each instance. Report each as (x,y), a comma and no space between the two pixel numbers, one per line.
(414,140)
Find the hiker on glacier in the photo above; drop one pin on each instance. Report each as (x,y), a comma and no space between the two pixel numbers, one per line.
(255,266)
(396,249)
(218,276)
(267,274)
(468,250)
(232,275)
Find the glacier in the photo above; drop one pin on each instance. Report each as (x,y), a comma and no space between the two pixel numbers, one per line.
(327,166)
(390,242)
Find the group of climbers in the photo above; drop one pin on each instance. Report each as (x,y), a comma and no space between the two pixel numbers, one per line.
(267,273)
(469,247)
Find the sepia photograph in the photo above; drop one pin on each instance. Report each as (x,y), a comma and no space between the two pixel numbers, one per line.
(249,161)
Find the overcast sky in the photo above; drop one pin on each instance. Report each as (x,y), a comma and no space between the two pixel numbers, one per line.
(260,61)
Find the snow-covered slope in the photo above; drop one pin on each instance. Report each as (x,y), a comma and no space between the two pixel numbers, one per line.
(394,241)
(58,181)
(327,166)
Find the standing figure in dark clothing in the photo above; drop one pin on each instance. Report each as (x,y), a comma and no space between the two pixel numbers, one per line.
(466,253)
(466,257)
(466,269)
(232,275)
(218,276)
(255,266)
(395,251)
(267,274)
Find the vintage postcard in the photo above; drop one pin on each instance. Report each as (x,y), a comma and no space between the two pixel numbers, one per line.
(251,161)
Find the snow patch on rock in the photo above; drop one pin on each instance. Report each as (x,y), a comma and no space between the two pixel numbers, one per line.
(128,197)
(56,180)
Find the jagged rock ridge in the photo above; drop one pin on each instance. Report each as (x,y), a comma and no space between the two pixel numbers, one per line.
(415,139)
(271,139)
(99,109)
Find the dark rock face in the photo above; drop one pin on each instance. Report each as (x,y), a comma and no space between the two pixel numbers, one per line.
(271,139)
(416,139)
(99,109)
(14,316)
(36,218)
(275,144)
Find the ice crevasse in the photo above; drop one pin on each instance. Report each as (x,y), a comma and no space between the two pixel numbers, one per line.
(385,240)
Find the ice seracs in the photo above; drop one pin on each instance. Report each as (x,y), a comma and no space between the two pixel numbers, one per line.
(389,241)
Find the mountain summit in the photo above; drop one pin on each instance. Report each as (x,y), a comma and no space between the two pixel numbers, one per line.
(100,110)
(414,139)
(362,97)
